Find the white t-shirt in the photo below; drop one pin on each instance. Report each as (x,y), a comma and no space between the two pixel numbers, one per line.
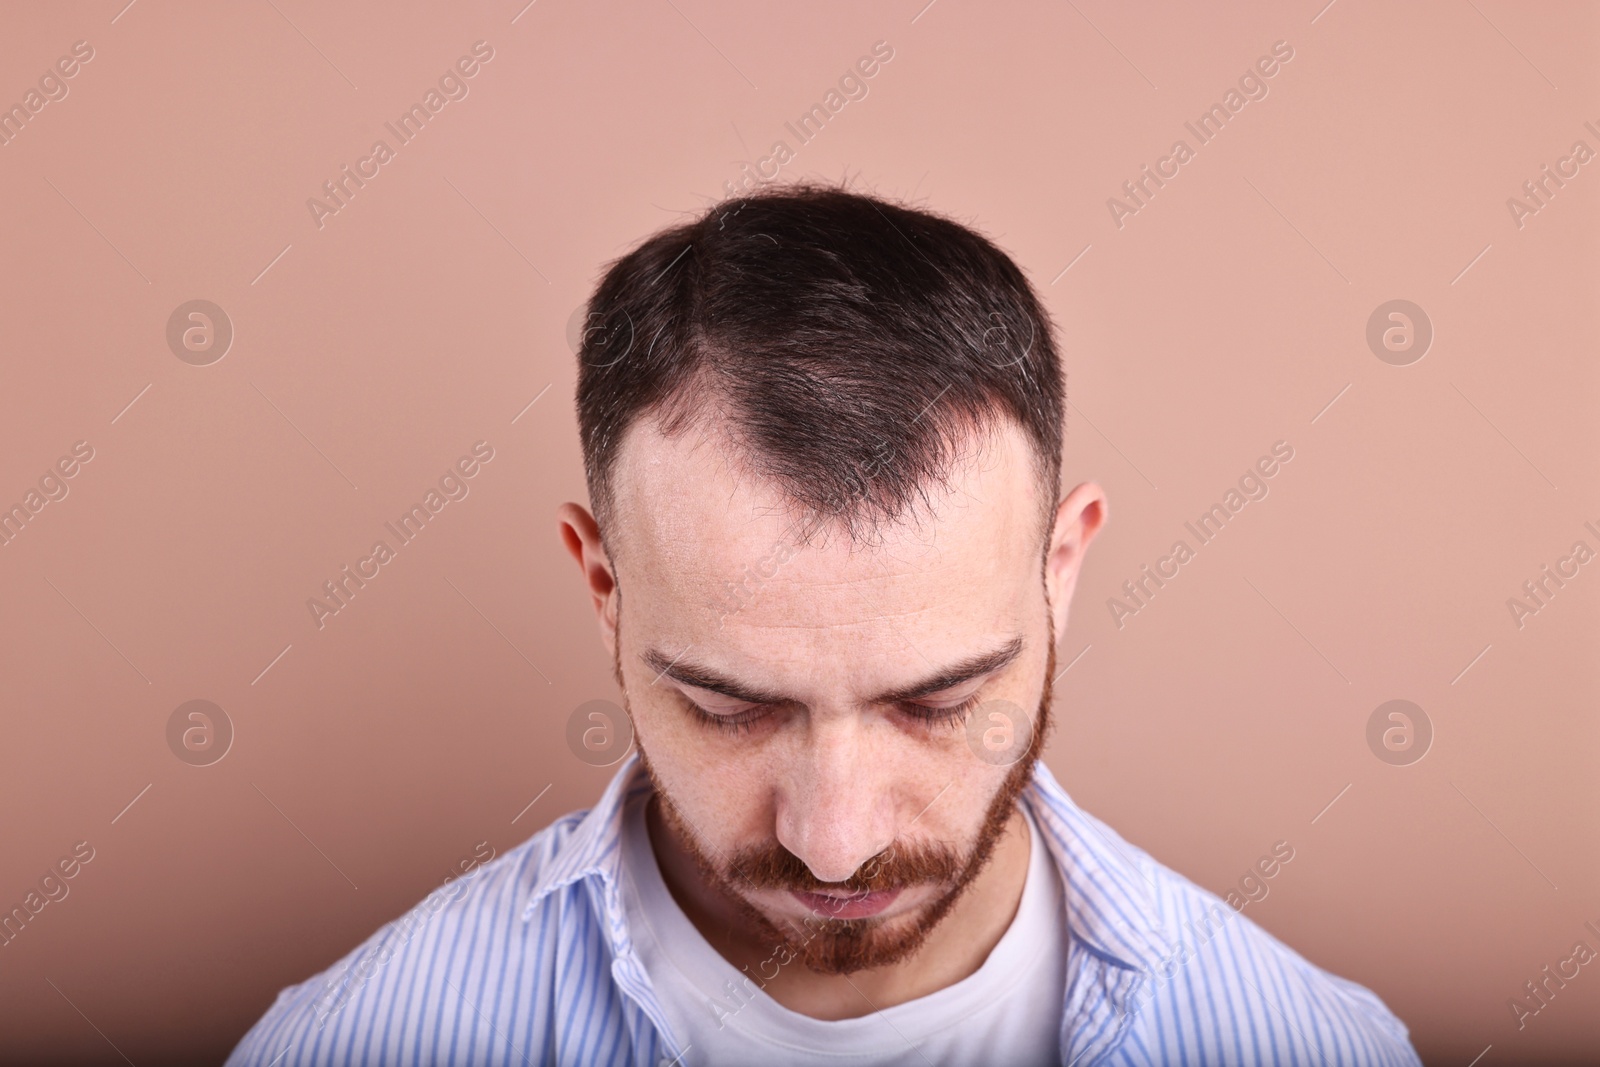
(1008,1012)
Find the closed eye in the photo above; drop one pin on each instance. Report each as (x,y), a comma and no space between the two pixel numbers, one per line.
(930,715)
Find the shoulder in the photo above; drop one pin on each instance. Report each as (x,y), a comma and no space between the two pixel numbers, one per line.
(1197,981)
(1227,989)
(472,949)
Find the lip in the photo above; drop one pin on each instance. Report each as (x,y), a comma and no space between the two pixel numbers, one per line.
(858,906)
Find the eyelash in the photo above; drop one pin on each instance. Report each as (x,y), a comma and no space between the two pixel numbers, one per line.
(742,723)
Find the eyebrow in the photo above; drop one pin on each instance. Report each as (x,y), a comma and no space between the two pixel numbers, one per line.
(702,677)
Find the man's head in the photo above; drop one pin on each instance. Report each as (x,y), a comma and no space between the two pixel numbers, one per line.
(822,436)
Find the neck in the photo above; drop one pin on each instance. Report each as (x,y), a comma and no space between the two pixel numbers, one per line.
(954,950)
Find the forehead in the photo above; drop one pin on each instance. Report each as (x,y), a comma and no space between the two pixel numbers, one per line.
(706,548)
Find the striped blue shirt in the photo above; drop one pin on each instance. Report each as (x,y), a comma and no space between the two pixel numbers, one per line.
(528,960)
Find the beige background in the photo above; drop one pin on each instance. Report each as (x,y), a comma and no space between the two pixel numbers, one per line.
(370,353)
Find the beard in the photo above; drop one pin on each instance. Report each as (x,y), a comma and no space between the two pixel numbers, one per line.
(835,946)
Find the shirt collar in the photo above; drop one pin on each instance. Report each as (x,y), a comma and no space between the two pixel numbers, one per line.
(593,850)
(1110,902)
(1110,893)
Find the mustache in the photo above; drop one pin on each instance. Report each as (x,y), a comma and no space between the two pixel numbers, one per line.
(774,867)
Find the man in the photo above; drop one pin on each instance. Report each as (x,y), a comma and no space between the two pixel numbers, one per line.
(822,435)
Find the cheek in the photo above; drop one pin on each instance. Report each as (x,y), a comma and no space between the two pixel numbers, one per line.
(726,797)
(948,799)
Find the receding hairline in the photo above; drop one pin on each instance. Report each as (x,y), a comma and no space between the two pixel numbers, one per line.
(969,442)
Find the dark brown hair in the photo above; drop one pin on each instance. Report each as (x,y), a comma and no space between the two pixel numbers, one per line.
(845,345)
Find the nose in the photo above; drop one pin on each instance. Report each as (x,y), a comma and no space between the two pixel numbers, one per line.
(834,809)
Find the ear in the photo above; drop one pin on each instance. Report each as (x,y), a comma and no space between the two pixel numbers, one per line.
(581,534)
(1078,518)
